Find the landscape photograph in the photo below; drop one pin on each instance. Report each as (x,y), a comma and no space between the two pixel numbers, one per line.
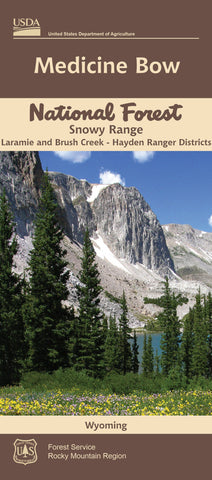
(105,283)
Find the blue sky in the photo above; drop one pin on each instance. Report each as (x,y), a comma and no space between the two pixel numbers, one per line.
(177,185)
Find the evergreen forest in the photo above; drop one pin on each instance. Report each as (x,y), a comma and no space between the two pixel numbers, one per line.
(41,334)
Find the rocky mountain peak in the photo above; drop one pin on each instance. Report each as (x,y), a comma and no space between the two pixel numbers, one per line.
(191,250)
(20,175)
(132,251)
(117,214)
(128,225)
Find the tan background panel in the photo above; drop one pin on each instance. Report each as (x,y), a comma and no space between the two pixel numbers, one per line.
(135,425)
(191,132)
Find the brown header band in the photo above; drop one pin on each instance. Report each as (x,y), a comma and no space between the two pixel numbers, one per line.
(156,50)
(57,456)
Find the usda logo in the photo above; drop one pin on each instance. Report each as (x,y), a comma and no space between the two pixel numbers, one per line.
(26,27)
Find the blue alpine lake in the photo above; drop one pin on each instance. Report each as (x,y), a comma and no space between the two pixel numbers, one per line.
(156,338)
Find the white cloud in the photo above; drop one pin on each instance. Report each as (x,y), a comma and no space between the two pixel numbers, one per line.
(74,157)
(108,178)
(210,221)
(142,157)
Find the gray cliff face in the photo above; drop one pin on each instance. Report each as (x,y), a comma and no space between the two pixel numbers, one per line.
(72,197)
(118,214)
(130,228)
(118,218)
(20,175)
(191,251)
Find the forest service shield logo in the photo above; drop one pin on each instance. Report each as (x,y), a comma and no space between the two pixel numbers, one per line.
(25,451)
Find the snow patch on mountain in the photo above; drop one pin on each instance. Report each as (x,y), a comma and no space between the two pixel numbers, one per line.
(96,189)
(191,251)
(201,253)
(103,251)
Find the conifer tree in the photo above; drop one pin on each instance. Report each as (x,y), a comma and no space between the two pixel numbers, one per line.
(73,338)
(157,362)
(124,336)
(187,343)
(144,356)
(111,351)
(11,301)
(209,324)
(48,321)
(104,327)
(148,355)
(90,330)
(135,350)
(200,346)
(170,339)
